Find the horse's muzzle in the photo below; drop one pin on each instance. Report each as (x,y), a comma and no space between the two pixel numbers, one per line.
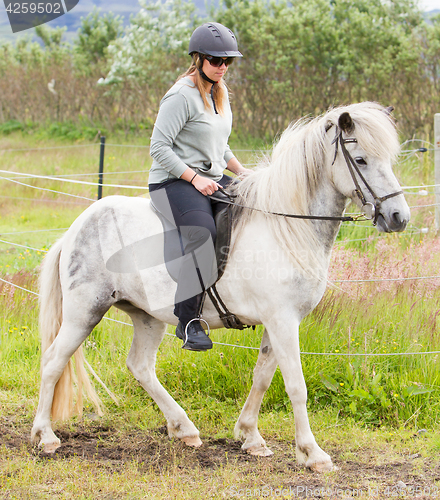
(396,223)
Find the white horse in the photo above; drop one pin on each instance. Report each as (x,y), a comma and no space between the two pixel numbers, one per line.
(276,273)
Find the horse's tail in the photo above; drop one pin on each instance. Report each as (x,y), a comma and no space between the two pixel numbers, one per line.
(51,318)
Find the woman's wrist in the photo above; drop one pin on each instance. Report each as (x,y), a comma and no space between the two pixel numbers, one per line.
(236,167)
(189,175)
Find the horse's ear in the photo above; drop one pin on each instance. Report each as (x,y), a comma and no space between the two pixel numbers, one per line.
(389,110)
(346,123)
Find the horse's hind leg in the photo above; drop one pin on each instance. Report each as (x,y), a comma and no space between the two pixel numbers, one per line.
(141,361)
(70,336)
(247,424)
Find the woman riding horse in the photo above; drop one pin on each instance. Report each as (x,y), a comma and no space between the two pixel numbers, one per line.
(189,146)
(315,168)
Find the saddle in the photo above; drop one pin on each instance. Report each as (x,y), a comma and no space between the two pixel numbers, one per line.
(223,223)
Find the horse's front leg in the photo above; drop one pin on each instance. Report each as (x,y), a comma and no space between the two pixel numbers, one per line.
(284,337)
(247,424)
(141,361)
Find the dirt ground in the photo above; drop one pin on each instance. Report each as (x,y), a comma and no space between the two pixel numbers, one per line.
(360,474)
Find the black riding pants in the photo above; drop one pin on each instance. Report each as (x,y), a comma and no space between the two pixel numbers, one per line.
(193,215)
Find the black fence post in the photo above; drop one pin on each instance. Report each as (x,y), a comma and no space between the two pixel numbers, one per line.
(101,167)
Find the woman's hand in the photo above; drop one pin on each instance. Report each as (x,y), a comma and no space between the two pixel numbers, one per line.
(204,185)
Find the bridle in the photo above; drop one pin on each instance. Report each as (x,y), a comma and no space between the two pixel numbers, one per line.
(370,210)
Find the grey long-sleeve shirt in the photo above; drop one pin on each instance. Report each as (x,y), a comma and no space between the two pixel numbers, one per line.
(188,135)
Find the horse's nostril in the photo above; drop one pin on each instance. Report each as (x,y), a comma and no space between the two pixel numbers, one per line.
(397,219)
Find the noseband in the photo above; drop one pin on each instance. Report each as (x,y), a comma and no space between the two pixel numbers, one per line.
(370,210)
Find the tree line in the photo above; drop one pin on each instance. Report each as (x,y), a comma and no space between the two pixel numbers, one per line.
(300,58)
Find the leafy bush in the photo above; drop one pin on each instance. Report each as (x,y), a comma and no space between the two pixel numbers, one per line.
(94,36)
(10,126)
(71,131)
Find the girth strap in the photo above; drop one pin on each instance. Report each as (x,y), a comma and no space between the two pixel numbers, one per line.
(229,319)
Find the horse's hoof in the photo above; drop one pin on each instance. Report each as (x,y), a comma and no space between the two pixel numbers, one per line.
(322,467)
(193,441)
(50,447)
(314,458)
(259,451)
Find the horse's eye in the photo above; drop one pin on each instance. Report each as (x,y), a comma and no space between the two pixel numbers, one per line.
(360,161)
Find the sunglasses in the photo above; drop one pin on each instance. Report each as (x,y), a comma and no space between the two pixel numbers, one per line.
(217,62)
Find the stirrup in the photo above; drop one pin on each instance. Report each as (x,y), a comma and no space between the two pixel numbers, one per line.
(186,328)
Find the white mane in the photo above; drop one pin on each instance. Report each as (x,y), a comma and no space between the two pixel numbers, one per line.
(287,181)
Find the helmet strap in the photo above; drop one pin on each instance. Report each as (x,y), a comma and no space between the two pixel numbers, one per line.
(206,78)
(199,67)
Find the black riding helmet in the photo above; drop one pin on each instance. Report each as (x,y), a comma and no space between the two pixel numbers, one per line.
(214,39)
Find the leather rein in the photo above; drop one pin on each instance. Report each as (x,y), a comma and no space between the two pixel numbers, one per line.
(370,211)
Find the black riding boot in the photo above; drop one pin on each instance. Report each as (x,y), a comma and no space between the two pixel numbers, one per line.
(189,302)
(193,336)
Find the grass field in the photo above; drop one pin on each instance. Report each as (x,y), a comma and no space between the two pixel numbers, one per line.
(376,415)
